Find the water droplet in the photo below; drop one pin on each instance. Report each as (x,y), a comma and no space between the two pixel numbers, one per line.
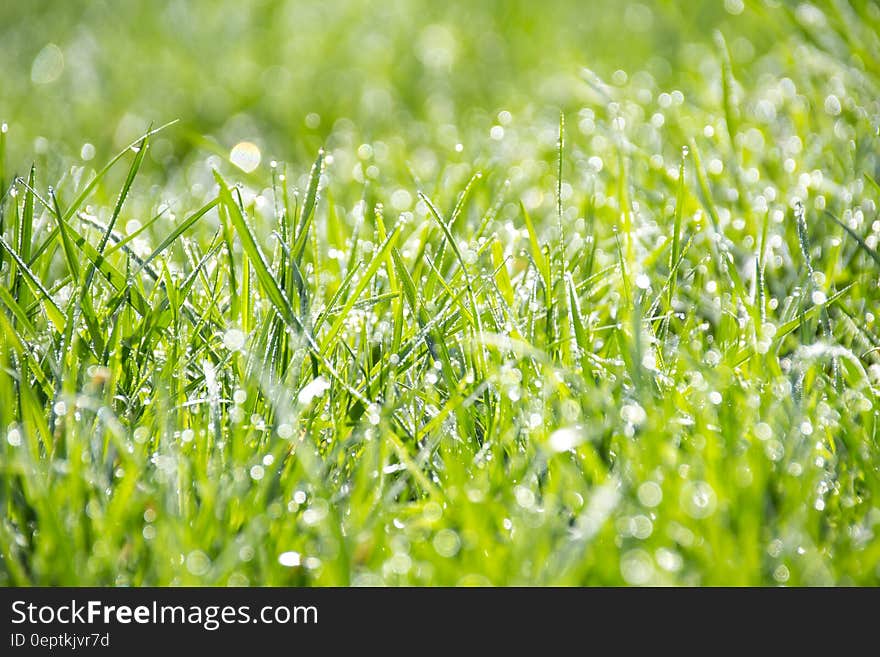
(290,559)
(13,437)
(641,527)
(198,563)
(763,431)
(781,574)
(832,105)
(233,339)
(650,494)
(565,439)
(245,155)
(633,413)
(48,65)
(698,499)
(524,497)
(637,567)
(315,388)
(447,543)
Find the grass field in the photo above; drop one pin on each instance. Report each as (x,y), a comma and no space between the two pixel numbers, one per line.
(325,293)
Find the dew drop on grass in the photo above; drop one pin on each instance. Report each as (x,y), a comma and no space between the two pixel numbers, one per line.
(637,567)
(373,416)
(316,512)
(13,437)
(763,431)
(233,339)
(781,574)
(712,358)
(524,497)
(832,105)
(198,563)
(641,527)
(48,65)
(565,439)
(238,580)
(669,560)
(633,413)
(315,388)
(447,543)
(245,155)
(650,494)
(774,450)
(698,499)
(290,559)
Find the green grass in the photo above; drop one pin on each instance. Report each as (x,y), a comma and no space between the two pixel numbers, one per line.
(492,317)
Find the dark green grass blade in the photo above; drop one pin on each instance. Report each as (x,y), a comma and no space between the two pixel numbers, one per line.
(66,242)
(123,194)
(52,310)
(267,279)
(308,209)
(180,229)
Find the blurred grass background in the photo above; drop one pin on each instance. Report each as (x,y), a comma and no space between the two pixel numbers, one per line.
(284,73)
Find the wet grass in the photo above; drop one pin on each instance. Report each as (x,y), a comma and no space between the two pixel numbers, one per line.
(620,334)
